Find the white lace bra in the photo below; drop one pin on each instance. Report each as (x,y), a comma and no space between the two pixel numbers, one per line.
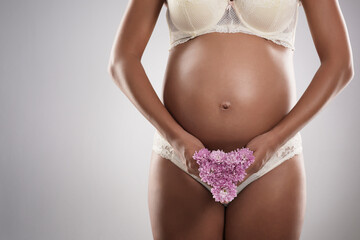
(273,20)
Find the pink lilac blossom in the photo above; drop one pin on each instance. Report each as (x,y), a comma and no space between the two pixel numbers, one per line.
(223,170)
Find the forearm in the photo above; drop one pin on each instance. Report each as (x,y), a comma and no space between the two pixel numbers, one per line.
(328,81)
(129,75)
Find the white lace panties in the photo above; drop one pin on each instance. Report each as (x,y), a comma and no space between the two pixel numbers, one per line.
(285,152)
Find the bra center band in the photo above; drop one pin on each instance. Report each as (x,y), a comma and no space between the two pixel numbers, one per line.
(230,4)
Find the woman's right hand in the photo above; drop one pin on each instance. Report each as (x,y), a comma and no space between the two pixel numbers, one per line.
(186,145)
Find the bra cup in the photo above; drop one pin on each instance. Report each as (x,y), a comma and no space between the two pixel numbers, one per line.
(266,16)
(195,15)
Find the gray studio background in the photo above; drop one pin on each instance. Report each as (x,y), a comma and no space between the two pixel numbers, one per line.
(75,153)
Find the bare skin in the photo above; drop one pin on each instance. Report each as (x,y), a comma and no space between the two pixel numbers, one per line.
(217,87)
(181,208)
(222,91)
(249,86)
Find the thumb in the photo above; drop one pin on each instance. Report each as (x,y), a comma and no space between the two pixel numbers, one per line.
(248,145)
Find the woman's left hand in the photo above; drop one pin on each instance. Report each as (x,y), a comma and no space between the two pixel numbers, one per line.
(264,147)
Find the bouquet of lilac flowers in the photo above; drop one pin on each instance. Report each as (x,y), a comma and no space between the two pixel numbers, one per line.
(223,170)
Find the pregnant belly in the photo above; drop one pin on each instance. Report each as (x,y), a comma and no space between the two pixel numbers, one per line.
(227,103)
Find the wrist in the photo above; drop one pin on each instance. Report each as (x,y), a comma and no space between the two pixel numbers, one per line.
(277,137)
(174,134)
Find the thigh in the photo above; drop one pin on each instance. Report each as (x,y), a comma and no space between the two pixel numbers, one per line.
(179,206)
(271,207)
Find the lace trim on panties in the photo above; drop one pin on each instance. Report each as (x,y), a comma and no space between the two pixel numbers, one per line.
(162,147)
(289,149)
(292,147)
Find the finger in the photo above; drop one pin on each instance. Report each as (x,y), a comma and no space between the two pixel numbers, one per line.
(249,145)
(194,171)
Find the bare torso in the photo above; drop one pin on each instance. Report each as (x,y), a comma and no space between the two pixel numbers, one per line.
(227,88)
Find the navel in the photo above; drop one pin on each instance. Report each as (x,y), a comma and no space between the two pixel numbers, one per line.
(225,105)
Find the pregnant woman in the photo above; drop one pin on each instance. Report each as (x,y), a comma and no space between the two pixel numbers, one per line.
(230,83)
